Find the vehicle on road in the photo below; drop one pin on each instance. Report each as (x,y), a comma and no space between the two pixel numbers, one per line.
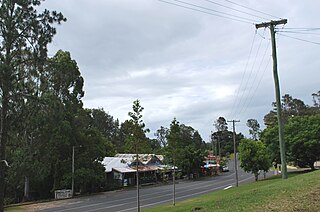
(225,168)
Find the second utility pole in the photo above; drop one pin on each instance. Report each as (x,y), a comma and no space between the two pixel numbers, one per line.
(272,24)
(235,150)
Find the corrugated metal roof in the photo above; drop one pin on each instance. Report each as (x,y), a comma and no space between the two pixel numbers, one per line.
(122,163)
(113,162)
(124,170)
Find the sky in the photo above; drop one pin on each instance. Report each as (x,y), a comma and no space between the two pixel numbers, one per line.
(191,65)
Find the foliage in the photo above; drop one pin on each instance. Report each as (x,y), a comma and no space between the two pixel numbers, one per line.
(108,126)
(254,128)
(161,135)
(270,137)
(254,156)
(290,107)
(316,99)
(40,148)
(24,35)
(185,147)
(221,124)
(135,132)
(300,130)
(302,134)
(222,139)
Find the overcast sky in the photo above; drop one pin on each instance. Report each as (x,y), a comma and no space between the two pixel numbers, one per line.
(188,64)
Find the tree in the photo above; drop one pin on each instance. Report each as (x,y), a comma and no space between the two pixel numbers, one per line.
(303,140)
(300,132)
(162,136)
(24,35)
(135,133)
(291,107)
(316,99)
(221,126)
(108,126)
(254,157)
(185,147)
(254,128)
(270,137)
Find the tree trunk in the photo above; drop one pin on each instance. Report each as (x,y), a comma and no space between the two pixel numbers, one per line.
(3,142)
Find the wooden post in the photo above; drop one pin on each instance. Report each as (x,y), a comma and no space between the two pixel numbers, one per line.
(272,24)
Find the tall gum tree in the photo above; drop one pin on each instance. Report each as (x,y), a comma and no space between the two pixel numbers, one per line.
(24,36)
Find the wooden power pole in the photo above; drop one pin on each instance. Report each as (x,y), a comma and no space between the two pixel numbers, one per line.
(272,25)
(235,151)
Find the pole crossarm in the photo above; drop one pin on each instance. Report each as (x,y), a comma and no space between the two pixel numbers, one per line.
(273,23)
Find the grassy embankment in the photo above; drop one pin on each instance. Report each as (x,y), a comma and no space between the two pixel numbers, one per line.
(300,192)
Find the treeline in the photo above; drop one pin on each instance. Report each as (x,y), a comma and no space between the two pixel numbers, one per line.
(43,122)
(301,136)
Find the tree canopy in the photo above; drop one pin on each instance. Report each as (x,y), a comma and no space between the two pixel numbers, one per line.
(254,156)
(301,132)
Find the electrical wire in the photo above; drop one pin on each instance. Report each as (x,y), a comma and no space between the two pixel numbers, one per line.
(258,11)
(243,75)
(303,29)
(299,32)
(258,85)
(240,11)
(300,39)
(252,92)
(249,76)
(208,13)
(212,10)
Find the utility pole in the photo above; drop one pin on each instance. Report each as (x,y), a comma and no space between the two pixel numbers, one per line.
(235,150)
(272,25)
(219,145)
(174,182)
(72,183)
(137,176)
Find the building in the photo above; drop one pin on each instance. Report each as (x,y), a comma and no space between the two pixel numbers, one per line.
(121,169)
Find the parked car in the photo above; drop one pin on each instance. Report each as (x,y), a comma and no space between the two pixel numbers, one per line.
(225,168)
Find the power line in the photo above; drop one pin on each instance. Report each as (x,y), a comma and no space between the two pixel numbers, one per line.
(248,79)
(258,11)
(254,91)
(258,85)
(300,39)
(304,29)
(244,73)
(208,13)
(299,32)
(221,5)
(205,8)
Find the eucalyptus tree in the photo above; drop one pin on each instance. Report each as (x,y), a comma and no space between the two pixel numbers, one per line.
(316,99)
(254,128)
(221,126)
(24,35)
(161,135)
(108,126)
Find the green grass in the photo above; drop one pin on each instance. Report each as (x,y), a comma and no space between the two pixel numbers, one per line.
(300,192)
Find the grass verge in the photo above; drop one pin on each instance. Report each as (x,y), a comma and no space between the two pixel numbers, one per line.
(300,192)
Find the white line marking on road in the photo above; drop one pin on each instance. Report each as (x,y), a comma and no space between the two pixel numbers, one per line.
(230,186)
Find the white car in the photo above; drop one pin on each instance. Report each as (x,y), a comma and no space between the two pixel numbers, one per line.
(225,168)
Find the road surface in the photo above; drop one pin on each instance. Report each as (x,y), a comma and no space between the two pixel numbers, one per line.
(150,196)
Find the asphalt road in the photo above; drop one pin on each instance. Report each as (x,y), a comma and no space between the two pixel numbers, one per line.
(150,196)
